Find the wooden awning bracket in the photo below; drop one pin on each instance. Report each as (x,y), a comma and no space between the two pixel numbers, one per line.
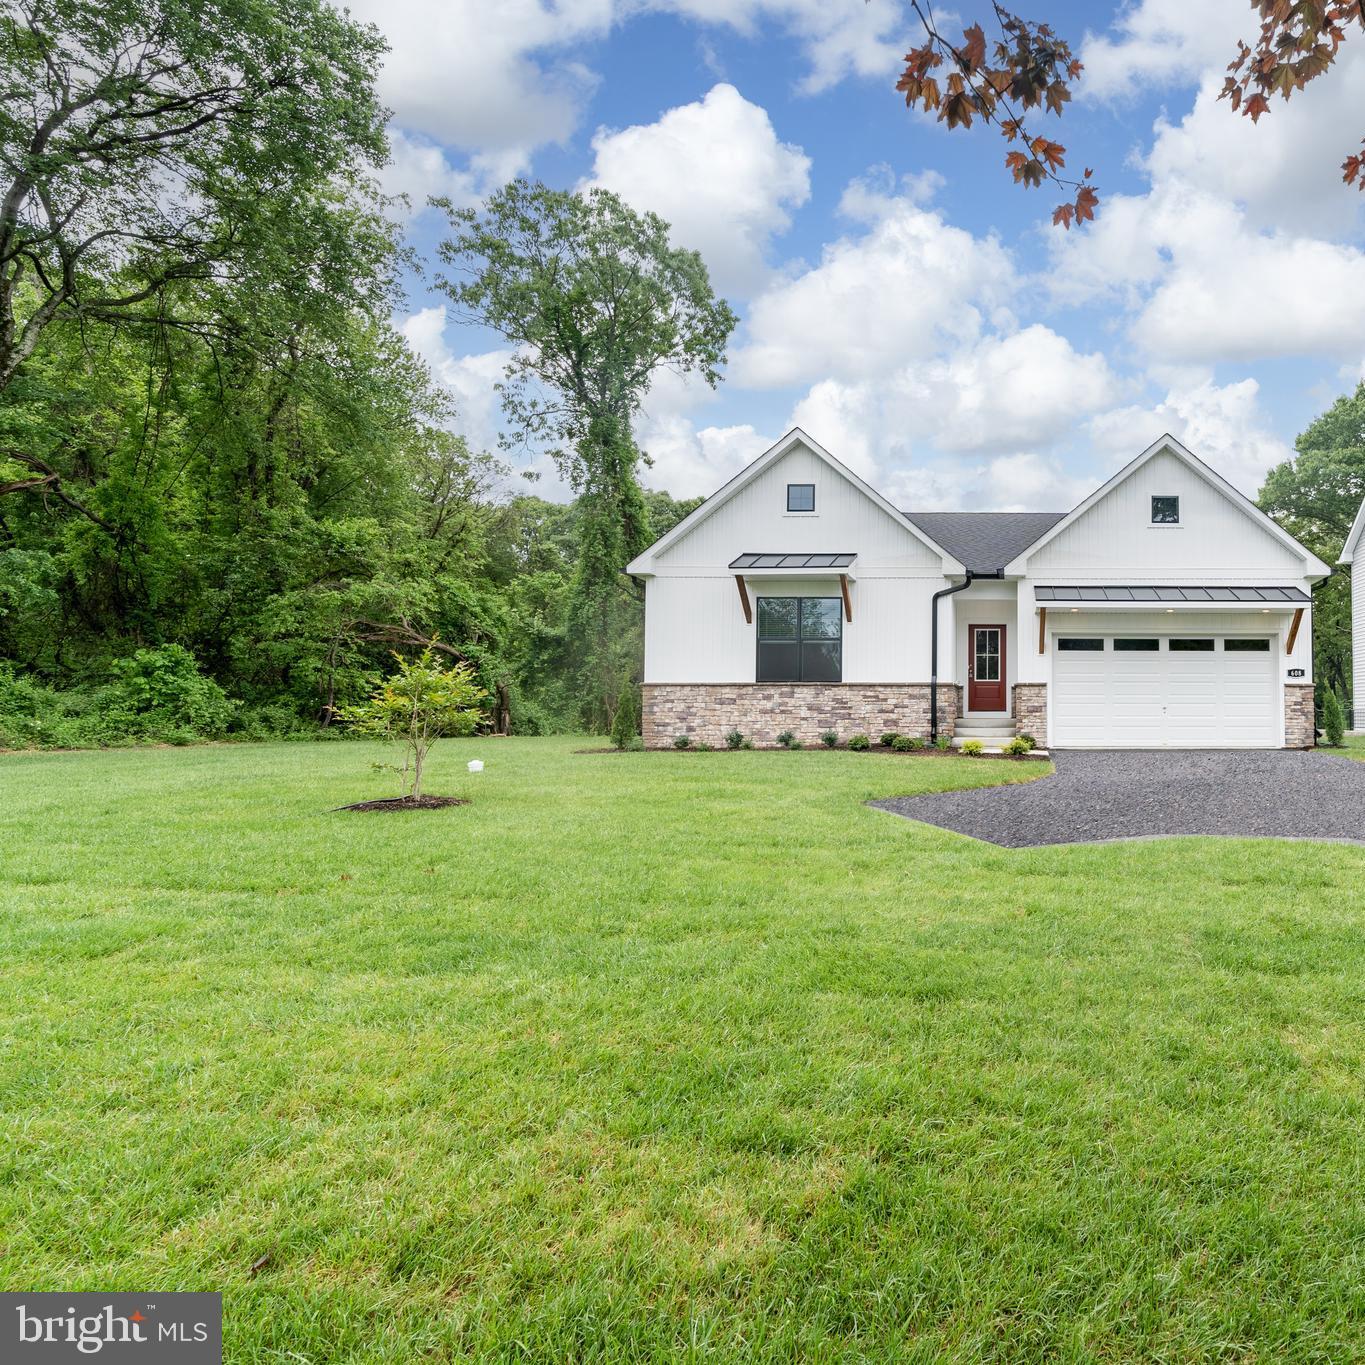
(744,600)
(1042,630)
(848,601)
(1293,630)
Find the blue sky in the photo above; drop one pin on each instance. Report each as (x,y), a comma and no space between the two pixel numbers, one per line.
(900,298)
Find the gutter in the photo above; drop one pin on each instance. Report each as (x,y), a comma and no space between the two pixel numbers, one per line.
(933,642)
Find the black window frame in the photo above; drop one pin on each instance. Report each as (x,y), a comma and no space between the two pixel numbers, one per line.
(1081,644)
(1164,520)
(1191,644)
(800,639)
(1136,644)
(1258,644)
(790,488)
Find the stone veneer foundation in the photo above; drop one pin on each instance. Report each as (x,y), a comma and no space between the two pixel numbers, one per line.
(1030,711)
(1300,728)
(762,711)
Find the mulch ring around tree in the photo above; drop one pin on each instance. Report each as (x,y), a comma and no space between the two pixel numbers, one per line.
(406,803)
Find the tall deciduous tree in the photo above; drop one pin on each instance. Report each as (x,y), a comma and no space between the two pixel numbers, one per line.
(596,300)
(1316,496)
(148,142)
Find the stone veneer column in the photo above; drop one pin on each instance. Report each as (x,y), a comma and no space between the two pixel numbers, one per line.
(1300,729)
(1030,711)
(707,712)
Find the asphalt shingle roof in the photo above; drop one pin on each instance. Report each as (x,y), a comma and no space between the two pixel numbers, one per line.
(984,541)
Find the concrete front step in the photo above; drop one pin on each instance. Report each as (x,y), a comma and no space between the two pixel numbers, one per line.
(982,728)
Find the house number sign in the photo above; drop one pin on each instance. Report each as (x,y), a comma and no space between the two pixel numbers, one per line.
(1296,672)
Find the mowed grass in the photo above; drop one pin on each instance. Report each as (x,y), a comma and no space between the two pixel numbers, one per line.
(657,1057)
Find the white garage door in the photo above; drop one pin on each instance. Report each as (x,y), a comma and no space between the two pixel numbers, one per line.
(1164,692)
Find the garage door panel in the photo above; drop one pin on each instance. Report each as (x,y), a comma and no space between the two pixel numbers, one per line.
(1164,698)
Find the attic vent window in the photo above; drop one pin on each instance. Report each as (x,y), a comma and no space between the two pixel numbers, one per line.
(1165,511)
(800,497)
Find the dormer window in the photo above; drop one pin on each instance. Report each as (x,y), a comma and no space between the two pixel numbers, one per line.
(800,497)
(1165,511)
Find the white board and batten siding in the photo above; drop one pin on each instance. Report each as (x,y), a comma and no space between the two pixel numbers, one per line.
(695,630)
(1215,541)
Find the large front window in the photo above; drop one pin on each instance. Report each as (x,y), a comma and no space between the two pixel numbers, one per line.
(800,639)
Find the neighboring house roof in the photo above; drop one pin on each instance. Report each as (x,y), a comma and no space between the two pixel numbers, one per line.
(759,560)
(1141,592)
(1353,539)
(1313,566)
(985,541)
(644,563)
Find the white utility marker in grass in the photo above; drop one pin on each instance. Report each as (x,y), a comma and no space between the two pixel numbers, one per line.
(476,765)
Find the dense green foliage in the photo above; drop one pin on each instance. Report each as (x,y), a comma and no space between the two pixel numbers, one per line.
(215,450)
(1315,497)
(1333,719)
(672,1057)
(596,300)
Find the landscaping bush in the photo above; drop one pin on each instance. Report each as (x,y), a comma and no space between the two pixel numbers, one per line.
(1017,747)
(1333,719)
(943,743)
(904,744)
(703,748)
(682,741)
(625,725)
(734,740)
(888,739)
(973,748)
(161,694)
(1028,739)
(858,743)
(829,738)
(787,740)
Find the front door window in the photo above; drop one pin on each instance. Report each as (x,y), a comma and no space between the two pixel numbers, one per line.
(987,654)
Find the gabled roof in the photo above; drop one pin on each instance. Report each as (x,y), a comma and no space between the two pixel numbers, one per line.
(1353,538)
(644,563)
(985,541)
(1313,566)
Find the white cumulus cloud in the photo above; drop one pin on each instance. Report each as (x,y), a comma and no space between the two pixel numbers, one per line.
(716,170)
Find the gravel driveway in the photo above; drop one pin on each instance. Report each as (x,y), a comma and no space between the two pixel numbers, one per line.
(1134,794)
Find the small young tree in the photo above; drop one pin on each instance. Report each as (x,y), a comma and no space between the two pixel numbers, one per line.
(418,705)
(625,724)
(1333,719)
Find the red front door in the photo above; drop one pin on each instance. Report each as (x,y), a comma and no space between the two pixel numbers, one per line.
(985,668)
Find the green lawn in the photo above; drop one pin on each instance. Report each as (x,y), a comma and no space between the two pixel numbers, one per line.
(671,1057)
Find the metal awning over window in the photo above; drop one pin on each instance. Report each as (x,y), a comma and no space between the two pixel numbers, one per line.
(1287,597)
(804,561)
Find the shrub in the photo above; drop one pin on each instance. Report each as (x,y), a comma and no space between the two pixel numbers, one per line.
(161,694)
(734,740)
(1333,719)
(682,741)
(973,748)
(634,745)
(748,744)
(1017,747)
(858,743)
(904,744)
(787,740)
(943,743)
(888,739)
(625,724)
(703,748)
(829,738)
(1028,739)
(796,744)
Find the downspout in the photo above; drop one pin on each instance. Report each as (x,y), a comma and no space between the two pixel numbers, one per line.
(933,643)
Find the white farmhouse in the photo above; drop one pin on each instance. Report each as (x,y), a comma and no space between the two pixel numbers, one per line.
(1166,610)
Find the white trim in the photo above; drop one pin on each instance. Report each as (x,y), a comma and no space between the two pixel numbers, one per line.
(644,563)
(1313,567)
(1353,536)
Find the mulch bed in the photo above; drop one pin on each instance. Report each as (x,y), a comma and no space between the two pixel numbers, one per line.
(952,755)
(407,803)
